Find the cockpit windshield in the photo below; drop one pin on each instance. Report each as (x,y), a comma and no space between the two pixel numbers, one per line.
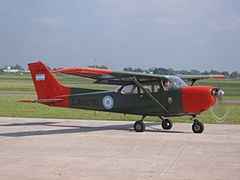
(172,82)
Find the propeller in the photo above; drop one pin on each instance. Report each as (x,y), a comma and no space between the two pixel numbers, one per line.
(219,111)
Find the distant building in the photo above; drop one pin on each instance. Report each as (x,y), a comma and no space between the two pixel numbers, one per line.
(8,69)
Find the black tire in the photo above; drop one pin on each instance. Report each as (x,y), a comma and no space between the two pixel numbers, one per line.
(139,126)
(197,127)
(167,124)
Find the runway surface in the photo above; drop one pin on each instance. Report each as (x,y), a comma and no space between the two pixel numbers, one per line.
(80,149)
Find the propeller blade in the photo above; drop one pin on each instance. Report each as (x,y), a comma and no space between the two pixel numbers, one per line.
(219,111)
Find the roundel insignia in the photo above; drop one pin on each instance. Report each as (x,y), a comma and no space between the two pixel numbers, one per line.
(108,102)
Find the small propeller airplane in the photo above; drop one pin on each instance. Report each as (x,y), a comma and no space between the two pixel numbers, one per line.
(139,94)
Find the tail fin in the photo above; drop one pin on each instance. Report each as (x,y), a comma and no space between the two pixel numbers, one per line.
(46,85)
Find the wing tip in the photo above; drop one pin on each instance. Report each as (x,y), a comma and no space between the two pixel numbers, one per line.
(219,76)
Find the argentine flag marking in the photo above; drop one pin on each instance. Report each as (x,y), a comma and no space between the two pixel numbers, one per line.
(40,77)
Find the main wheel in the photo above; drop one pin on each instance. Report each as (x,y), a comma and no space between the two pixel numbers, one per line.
(167,124)
(139,126)
(197,127)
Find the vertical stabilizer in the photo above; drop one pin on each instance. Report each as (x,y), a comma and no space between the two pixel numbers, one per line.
(46,85)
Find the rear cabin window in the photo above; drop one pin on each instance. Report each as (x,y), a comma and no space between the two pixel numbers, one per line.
(151,87)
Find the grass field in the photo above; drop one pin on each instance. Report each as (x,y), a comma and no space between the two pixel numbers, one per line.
(231,87)
(22,84)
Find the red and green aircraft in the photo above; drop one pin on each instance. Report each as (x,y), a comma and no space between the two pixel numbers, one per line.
(140,94)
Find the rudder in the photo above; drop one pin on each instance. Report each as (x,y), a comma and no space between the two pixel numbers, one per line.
(46,85)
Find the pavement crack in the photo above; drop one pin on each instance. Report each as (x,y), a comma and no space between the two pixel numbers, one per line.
(177,157)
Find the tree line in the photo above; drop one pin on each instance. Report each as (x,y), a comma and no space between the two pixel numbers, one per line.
(170,71)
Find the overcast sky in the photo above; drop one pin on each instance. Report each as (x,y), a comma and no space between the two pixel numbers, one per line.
(179,34)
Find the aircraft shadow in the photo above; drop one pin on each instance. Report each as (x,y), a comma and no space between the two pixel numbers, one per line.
(29,124)
(77,129)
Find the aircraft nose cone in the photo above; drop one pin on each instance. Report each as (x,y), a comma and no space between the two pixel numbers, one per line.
(217,93)
(198,98)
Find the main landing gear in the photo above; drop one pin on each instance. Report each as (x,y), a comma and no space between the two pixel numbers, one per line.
(139,126)
(197,126)
(166,124)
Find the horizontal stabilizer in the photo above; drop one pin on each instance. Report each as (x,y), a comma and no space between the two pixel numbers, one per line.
(42,100)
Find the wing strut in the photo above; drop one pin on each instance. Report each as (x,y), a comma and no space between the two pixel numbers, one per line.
(193,81)
(138,84)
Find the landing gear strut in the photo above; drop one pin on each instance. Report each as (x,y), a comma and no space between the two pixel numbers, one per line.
(197,126)
(139,126)
(166,123)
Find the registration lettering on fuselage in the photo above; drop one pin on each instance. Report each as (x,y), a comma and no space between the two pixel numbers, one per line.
(86,102)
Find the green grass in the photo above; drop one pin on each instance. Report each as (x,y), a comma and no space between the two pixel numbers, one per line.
(10,83)
(231,97)
(22,84)
(231,87)
(10,108)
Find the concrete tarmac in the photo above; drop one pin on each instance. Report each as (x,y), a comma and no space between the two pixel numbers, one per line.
(61,149)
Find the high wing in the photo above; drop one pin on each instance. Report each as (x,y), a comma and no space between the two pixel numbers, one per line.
(104,76)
